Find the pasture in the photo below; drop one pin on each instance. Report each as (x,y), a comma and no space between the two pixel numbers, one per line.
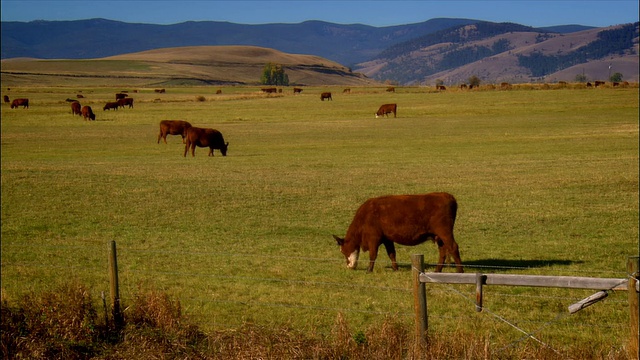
(546,181)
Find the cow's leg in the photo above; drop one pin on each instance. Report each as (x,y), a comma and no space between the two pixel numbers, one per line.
(448,246)
(193,150)
(210,151)
(391,251)
(186,149)
(373,254)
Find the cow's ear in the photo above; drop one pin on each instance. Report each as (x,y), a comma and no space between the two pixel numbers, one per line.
(338,240)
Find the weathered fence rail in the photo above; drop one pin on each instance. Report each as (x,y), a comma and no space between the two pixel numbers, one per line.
(630,284)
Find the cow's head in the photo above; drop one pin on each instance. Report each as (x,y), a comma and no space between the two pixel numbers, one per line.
(350,253)
(223,149)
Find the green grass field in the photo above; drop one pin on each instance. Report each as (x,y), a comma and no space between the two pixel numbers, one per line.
(546,181)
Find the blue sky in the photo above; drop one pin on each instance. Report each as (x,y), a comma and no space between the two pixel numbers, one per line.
(375,13)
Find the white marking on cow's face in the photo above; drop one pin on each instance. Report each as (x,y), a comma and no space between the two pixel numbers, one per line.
(352,260)
(376,116)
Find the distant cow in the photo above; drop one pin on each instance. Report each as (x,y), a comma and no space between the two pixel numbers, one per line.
(6,98)
(297,91)
(505,86)
(110,105)
(159,90)
(269,90)
(76,108)
(20,102)
(120,96)
(218,91)
(391,89)
(615,83)
(403,219)
(463,86)
(80,96)
(589,84)
(386,109)
(440,87)
(598,83)
(346,91)
(173,127)
(210,138)
(325,95)
(125,101)
(87,113)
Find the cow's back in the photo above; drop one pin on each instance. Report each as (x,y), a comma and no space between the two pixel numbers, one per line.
(403,218)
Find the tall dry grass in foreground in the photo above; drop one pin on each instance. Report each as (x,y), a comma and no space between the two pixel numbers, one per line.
(63,324)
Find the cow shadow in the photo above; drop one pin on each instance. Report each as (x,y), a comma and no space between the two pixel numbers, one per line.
(497,264)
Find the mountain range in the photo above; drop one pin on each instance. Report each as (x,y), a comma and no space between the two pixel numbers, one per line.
(443,49)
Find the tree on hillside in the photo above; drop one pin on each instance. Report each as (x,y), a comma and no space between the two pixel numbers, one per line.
(616,77)
(474,81)
(273,74)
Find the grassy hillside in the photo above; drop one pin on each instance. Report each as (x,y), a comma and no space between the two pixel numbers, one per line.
(546,179)
(202,65)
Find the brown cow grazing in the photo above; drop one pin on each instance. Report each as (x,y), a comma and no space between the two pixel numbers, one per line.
(598,83)
(159,91)
(269,90)
(463,86)
(125,101)
(120,96)
(346,91)
(218,91)
(391,89)
(297,91)
(20,102)
(80,96)
(173,127)
(615,83)
(76,108)
(6,98)
(87,113)
(200,137)
(440,87)
(325,95)
(110,105)
(386,109)
(589,84)
(403,219)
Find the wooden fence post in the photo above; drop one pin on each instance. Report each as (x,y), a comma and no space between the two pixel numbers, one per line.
(420,301)
(633,267)
(114,286)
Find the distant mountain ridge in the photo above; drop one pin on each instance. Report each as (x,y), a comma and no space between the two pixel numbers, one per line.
(405,54)
(97,38)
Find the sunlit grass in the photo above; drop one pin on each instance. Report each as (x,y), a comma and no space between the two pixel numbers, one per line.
(544,179)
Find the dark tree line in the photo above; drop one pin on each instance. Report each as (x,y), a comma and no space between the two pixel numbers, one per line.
(615,41)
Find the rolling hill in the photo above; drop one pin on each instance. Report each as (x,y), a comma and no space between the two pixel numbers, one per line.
(319,53)
(508,53)
(197,65)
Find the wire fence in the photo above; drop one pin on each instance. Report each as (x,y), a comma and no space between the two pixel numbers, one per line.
(284,292)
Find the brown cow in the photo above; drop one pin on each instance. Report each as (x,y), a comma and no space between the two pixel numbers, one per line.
(297,90)
(125,101)
(173,127)
(20,102)
(326,95)
(505,86)
(440,87)
(269,90)
(386,109)
(162,91)
(391,89)
(110,105)
(200,137)
(403,219)
(598,83)
(218,91)
(76,108)
(87,113)
(346,91)
(120,96)
(463,86)
(6,98)
(80,96)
